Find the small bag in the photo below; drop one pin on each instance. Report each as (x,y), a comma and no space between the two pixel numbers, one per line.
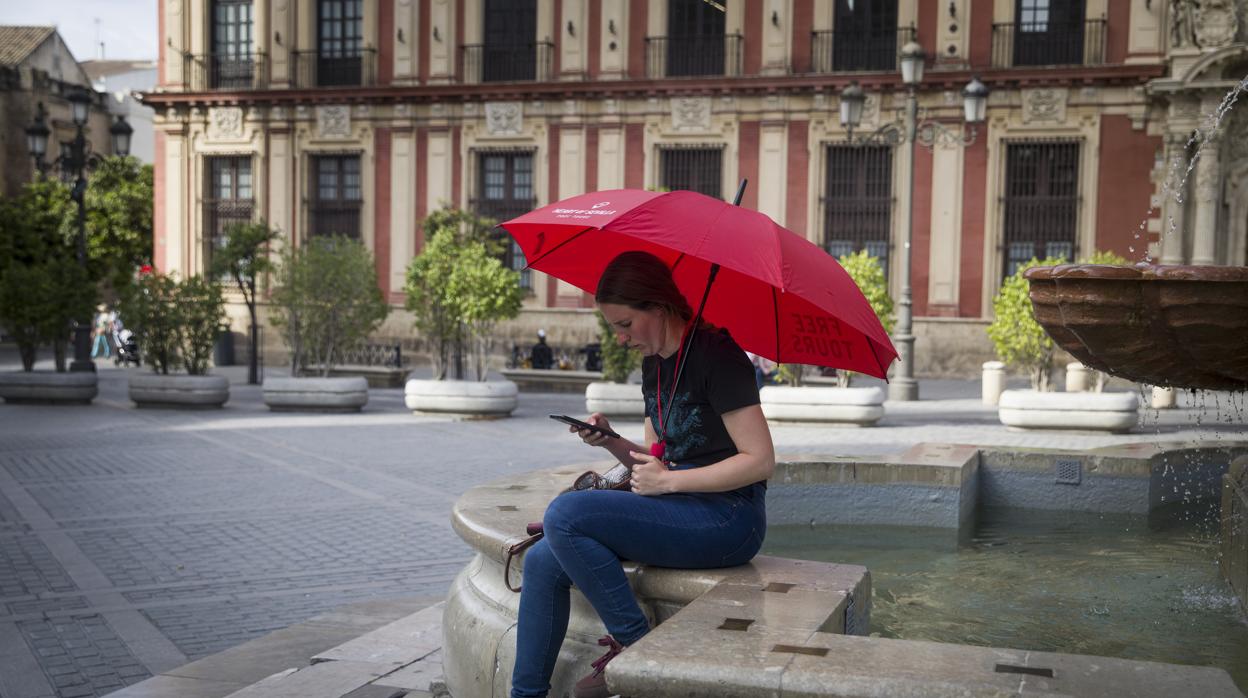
(619,477)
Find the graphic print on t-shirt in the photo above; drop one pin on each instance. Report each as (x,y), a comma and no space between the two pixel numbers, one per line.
(684,435)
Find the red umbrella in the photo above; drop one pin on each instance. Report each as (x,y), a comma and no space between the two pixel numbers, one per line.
(779,295)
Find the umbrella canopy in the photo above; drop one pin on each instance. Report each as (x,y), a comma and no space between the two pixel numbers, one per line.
(779,295)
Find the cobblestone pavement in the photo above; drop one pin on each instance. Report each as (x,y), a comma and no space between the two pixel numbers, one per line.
(133,541)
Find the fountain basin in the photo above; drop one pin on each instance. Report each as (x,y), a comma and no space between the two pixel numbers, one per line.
(1179,326)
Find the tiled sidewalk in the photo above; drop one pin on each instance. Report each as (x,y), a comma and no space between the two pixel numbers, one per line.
(135,541)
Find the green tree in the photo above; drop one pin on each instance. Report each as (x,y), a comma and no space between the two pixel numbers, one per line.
(439,315)
(150,306)
(43,289)
(328,300)
(618,361)
(868,274)
(244,259)
(1018,339)
(485,292)
(201,317)
(119,201)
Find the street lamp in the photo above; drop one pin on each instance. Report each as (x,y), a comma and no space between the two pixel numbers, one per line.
(913,129)
(75,158)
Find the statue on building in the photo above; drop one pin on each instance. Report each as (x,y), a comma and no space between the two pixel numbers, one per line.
(1182,23)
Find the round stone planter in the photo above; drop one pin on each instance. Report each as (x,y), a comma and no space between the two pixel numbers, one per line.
(854,406)
(156,390)
(471,398)
(1029,409)
(615,400)
(49,387)
(316,394)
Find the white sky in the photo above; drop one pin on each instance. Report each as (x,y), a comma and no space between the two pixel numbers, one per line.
(127,27)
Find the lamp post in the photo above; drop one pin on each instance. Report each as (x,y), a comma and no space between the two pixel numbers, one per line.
(914,129)
(75,158)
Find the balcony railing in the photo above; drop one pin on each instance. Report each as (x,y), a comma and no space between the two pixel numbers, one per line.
(1048,43)
(335,218)
(335,68)
(693,56)
(529,62)
(205,72)
(840,50)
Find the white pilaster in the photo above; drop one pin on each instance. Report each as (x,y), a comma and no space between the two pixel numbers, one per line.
(946,225)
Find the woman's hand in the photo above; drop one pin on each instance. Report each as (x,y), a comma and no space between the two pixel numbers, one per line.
(650,475)
(594,438)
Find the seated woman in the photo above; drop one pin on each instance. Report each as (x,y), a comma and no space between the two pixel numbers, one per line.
(698,485)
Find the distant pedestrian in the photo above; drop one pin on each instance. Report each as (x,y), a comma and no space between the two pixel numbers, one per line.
(103,328)
(541,356)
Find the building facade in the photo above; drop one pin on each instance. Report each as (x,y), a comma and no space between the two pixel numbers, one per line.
(362,116)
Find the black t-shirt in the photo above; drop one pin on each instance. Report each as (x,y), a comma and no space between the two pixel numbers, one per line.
(718,378)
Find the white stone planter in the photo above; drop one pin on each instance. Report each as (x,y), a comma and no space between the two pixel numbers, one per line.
(316,394)
(615,400)
(1078,378)
(49,387)
(1029,409)
(860,406)
(1163,398)
(473,398)
(156,390)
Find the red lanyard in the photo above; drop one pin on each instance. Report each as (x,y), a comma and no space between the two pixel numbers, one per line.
(658,448)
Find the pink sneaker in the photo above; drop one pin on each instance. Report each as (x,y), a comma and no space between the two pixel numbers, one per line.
(595,685)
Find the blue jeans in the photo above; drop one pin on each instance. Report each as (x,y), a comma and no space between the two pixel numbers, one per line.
(589,532)
(101,340)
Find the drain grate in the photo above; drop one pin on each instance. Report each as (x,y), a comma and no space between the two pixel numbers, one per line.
(1030,670)
(741,624)
(1069,471)
(795,649)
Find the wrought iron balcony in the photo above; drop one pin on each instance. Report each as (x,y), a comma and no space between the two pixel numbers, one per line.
(207,72)
(696,55)
(349,68)
(525,62)
(841,50)
(1048,43)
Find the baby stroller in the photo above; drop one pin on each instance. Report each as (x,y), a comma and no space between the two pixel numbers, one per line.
(127,347)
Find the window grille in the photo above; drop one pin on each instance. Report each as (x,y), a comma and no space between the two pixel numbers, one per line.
(858,201)
(695,169)
(336,196)
(504,191)
(229,198)
(340,42)
(865,34)
(231,64)
(1041,202)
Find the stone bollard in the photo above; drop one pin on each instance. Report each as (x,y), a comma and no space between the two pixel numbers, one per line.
(1078,378)
(1163,398)
(994,381)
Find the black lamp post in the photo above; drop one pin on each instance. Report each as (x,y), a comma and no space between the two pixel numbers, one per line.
(913,129)
(75,158)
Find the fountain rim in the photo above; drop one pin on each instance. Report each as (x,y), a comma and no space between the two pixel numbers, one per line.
(1142,271)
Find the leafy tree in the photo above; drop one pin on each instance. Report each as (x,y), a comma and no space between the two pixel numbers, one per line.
(618,361)
(441,316)
(1020,340)
(201,317)
(244,259)
(151,308)
(328,300)
(485,292)
(118,201)
(43,289)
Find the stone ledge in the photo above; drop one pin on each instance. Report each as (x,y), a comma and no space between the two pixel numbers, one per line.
(550,380)
(49,387)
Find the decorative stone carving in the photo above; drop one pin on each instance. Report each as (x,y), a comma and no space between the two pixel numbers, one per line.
(1044,104)
(691,113)
(1182,23)
(503,118)
(871,109)
(225,123)
(333,121)
(1216,23)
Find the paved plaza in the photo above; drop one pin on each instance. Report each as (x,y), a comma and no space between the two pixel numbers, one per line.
(134,541)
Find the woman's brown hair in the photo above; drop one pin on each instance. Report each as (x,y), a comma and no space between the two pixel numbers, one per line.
(642,281)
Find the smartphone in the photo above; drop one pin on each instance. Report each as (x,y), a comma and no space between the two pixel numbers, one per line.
(583,425)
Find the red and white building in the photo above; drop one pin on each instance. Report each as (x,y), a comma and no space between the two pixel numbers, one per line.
(362,116)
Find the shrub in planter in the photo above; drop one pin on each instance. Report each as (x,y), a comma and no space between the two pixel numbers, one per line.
(150,306)
(43,288)
(457,288)
(327,300)
(201,316)
(1018,339)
